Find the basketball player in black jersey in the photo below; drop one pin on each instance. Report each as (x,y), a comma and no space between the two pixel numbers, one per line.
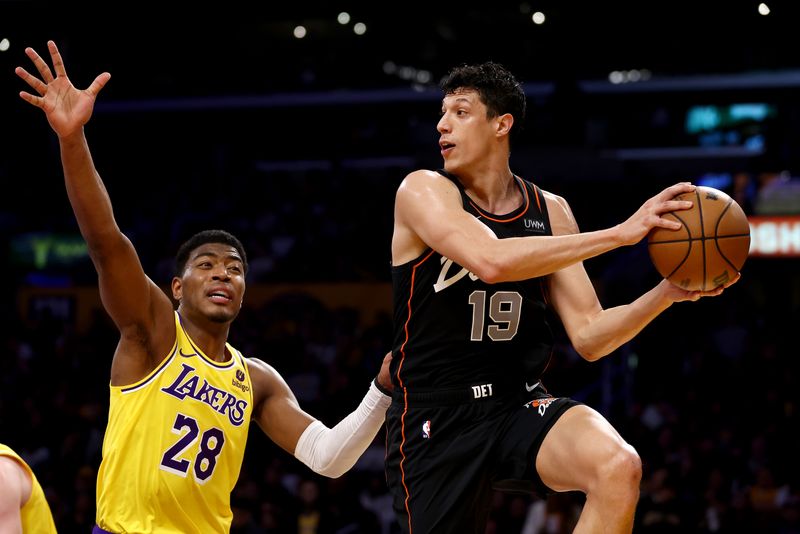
(478,255)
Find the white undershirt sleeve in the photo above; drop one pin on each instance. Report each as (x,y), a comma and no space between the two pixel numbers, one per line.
(333,451)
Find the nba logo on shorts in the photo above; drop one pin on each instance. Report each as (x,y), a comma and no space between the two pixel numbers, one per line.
(426,429)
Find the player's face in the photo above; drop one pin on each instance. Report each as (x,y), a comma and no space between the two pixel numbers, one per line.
(213,282)
(466,134)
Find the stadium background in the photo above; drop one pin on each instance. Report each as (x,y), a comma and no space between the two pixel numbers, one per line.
(219,116)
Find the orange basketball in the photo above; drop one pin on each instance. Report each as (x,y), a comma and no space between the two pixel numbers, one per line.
(711,245)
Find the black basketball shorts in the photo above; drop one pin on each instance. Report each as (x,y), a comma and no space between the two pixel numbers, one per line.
(447,450)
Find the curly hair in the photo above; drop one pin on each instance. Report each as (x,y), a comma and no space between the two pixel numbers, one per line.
(497,88)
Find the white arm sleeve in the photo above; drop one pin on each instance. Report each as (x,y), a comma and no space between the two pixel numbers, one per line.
(333,451)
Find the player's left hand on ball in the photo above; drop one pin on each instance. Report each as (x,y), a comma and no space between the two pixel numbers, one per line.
(678,294)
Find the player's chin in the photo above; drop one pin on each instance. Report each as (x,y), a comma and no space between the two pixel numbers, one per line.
(223,314)
(450,166)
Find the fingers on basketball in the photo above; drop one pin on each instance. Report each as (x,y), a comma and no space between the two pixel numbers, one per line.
(711,246)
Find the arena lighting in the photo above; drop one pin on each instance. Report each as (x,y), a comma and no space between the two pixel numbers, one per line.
(628,76)
(407,72)
(713,82)
(775,236)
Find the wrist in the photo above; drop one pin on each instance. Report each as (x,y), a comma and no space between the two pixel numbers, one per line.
(617,236)
(380,387)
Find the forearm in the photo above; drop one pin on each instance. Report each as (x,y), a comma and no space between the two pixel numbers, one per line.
(333,451)
(611,328)
(525,257)
(87,193)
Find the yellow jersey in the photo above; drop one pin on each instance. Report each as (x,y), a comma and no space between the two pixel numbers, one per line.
(174,444)
(35,514)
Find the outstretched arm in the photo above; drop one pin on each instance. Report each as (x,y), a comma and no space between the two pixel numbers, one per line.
(327,451)
(594,331)
(132,300)
(429,213)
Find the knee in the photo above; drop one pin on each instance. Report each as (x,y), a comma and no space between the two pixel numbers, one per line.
(624,469)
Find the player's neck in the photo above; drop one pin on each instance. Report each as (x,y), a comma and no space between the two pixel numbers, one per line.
(495,192)
(209,337)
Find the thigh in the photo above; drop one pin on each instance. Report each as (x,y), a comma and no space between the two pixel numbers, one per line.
(523,430)
(436,468)
(577,445)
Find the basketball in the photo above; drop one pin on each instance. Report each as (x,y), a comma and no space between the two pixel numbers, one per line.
(710,247)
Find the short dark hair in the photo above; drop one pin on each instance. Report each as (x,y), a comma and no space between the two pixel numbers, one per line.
(497,88)
(203,237)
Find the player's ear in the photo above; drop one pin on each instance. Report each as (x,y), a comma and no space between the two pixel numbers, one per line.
(504,123)
(177,288)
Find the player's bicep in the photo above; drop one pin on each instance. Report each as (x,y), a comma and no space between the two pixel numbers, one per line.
(571,290)
(574,298)
(430,207)
(277,411)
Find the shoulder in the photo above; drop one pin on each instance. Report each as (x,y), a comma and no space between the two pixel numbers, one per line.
(266,380)
(425,185)
(562,220)
(9,465)
(554,201)
(261,370)
(423,177)
(14,479)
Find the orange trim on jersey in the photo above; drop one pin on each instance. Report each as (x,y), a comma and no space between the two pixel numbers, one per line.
(521,213)
(538,202)
(405,391)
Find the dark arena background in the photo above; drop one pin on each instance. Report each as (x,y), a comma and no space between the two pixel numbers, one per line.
(292,125)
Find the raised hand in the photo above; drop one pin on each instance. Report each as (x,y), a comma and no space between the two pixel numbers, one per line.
(650,214)
(67,108)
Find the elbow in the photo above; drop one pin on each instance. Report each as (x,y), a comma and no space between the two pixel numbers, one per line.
(331,471)
(327,467)
(491,261)
(491,270)
(590,356)
(490,276)
(105,243)
(591,352)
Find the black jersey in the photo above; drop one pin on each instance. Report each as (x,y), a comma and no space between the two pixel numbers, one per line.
(453,329)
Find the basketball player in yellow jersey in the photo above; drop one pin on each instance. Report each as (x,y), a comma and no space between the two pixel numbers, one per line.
(208,404)
(181,397)
(23,507)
